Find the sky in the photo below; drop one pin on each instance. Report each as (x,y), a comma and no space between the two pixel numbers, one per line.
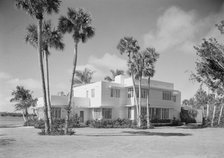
(172,27)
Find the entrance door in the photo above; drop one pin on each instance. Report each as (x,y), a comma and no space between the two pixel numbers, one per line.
(81,116)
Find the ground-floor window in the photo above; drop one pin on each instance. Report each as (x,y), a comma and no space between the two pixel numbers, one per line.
(159,113)
(56,112)
(165,113)
(97,113)
(107,113)
(143,111)
(129,112)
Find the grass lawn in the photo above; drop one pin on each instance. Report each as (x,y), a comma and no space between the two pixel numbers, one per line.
(161,142)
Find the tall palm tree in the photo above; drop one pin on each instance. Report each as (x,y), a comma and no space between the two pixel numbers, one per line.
(52,38)
(114,74)
(150,56)
(136,65)
(23,100)
(129,46)
(78,22)
(37,10)
(83,77)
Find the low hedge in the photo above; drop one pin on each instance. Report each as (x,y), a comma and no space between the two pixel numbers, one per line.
(117,123)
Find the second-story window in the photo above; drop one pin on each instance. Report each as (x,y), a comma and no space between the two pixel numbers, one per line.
(115,93)
(130,92)
(92,93)
(144,93)
(166,95)
(174,98)
(87,94)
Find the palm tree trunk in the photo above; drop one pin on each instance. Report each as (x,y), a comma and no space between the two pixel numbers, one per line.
(148,122)
(71,88)
(139,102)
(213,116)
(24,118)
(207,112)
(220,114)
(48,91)
(47,129)
(26,114)
(135,97)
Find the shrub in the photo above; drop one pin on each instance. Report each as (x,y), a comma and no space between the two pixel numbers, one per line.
(30,122)
(117,123)
(176,123)
(187,115)
(74,122)
(161,121)
(39,124)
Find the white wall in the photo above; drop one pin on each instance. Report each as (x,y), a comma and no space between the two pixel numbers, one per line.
(80,91)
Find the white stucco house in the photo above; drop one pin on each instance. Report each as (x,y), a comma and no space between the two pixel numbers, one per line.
(111,100)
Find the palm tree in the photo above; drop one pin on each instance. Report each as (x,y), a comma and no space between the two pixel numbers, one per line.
(38,9)
(129,46)
(52,38)
(185,102)
(23,100)
(83,77)
(114,74)
(149,56)
(78,22)
(136,65)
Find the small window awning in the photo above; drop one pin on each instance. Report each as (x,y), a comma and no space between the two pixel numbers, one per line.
(129,105)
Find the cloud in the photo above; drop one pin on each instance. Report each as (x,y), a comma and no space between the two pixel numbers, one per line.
(4,75)
(98,72)
(109,61)
(102,66)
(180,30)
(27,83)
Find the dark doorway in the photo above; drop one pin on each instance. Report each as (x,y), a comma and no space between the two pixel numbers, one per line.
(81,116)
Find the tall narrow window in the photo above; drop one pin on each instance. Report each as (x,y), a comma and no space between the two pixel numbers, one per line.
(166,95)
(130,92)
(92,93)
(158,113)
(111,92)
(174,98)
(129,112)
(87,94)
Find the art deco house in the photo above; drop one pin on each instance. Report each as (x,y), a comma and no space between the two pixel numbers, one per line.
(111,100)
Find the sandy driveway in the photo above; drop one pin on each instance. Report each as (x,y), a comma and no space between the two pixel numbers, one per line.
(163,142)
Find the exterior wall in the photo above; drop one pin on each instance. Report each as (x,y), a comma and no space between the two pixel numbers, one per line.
(81,91)
(119,105)
(156,101)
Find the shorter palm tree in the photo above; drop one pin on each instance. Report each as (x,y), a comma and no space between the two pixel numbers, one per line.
(79,23)
(114,74)
(83,77)
(23,100)
(130,46)
(150,56)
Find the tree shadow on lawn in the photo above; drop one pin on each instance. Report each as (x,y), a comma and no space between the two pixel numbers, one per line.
(138,133)
(145,133)
(6,141)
